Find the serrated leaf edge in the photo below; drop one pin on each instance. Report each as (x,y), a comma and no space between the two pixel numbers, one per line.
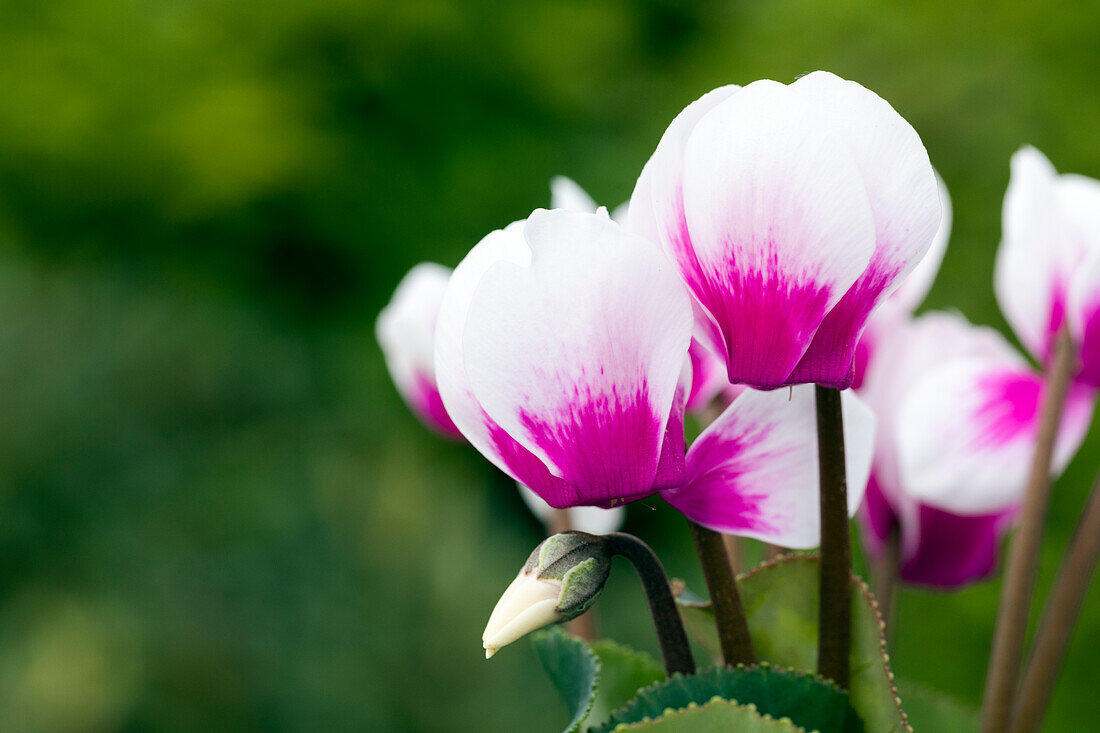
(798,673)
(865,590)
(780,724)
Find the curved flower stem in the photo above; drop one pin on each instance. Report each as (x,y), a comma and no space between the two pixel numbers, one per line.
(1023,560)
(583,626)
(1057,625)
(834,602)
(733,628)
(675,650)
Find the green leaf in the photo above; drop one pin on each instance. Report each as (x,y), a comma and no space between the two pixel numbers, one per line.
(593,679)
(931,710)
(780,599)
(808,701)
(574,670)
(717,716)
(623,671)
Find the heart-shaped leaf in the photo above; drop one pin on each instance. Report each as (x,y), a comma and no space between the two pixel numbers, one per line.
(593,679)
(717,716)
(807,701)
(780,599)
(930,710)
(573,668)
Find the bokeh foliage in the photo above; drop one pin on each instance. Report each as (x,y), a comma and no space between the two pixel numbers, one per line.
(215,513)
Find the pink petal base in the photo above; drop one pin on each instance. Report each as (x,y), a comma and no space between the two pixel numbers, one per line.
(599,449)
(830,358)
(952,550)
(955,550)
(427,404)
(766,324)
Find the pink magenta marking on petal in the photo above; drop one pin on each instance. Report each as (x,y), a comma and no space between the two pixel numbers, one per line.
(1009,403)
(427,404)
(829,360)
(865,348)
(954,550)
(606,446)
(526,468)
(766,322)
(671,465)
(715,493)
(705,382)
(1089,348)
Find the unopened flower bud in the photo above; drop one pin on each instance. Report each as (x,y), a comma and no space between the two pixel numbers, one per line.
(559,581)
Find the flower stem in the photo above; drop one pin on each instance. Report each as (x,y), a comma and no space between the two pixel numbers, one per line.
(583,626)
(1061,614)
(1023,560)
(671,637)
(835,605)
(733,628)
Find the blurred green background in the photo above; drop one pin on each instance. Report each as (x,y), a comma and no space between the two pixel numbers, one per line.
(215,512)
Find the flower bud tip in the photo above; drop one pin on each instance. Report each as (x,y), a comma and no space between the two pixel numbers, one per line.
(560,580)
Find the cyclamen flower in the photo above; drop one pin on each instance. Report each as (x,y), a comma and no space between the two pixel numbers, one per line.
(560,346)
(958,414)
(561,356)
(406,332)
(1048,264)
(791,212)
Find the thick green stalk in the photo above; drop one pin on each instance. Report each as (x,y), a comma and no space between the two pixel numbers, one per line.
(733,628)
(835,605)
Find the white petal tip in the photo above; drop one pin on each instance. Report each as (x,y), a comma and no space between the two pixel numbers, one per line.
(490,651)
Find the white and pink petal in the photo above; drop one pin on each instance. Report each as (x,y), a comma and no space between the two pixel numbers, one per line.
(754,473)
(780,223)
(914,288)
(905,203)
(577,356)
(503,245)
(406,332)
(1038,253)
(966,434)
(1084,320)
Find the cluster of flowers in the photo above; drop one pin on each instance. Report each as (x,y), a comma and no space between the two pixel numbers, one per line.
(779,236)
